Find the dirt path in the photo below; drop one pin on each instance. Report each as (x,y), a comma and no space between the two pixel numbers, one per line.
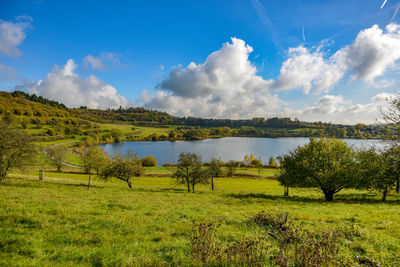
(63,163)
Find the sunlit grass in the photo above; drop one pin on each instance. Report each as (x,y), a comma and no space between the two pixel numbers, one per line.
(60,222)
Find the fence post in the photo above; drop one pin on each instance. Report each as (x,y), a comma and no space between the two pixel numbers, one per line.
(41,175)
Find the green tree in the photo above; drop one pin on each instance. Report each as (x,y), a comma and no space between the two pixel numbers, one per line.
(326,164)
(123,168)
(57,156)
(116,135)
(231,167)
(189,171)
(272,163)
(16,148)
(378,171)
(214,170)
(172,134)
(93,158)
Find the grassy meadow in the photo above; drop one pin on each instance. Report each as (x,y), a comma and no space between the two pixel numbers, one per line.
(59,222)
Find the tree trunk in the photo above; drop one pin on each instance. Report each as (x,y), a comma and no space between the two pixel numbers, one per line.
(212,183)
(398,186)
(188,185)
(129,183)
(41,175)
(90,178)
(192,187)
(328,195)
(286,191)
(384,194)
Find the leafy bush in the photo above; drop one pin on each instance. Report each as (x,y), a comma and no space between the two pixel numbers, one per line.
(256,163)
(149,161)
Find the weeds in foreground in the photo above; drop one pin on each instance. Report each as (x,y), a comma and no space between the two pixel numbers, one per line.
(209,251)
(284,244)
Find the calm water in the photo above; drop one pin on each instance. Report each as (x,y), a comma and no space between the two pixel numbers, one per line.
(229,148)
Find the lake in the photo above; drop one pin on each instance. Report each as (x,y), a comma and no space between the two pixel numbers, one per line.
(229,148)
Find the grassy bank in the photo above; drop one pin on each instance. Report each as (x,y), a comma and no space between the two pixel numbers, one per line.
(59,222)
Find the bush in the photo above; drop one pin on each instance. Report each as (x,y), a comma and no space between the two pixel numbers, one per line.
(149,161)
(256,163)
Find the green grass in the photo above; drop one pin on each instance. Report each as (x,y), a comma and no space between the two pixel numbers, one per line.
(138,131)
(59,222)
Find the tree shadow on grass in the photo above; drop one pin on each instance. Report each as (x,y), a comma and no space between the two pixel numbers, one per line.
(342,198)
(155,190)
(37,183)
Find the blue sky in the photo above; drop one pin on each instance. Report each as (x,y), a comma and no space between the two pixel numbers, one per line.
(338,66)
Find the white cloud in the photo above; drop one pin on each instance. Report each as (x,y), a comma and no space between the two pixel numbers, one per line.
(336,109)
(106,61)
(373,51)
(308,70)
(12,34)
(7,73)
(224,86)
(65,86)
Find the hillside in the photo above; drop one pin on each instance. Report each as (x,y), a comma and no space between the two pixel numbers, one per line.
(35,113)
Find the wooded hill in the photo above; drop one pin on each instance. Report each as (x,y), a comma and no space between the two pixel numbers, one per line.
(26,109)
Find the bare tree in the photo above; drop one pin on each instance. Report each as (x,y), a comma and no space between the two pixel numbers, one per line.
(391,115)
(15,148)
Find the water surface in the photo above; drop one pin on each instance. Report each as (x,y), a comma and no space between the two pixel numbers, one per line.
(229,148)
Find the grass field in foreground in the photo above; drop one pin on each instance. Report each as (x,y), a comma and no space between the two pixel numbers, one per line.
(59,222)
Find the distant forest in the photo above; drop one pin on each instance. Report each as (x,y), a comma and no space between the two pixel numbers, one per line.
(49,112)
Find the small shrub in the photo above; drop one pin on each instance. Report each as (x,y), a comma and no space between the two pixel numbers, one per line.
(149,161)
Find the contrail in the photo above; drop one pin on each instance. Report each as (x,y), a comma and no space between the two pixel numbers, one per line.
(302,33)
(262,14)
(384,2)
(395,12)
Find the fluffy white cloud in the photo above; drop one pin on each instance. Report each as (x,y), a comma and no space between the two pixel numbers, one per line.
(334,108)
(373,51)
(224,86)
(7,73)
(305,69)
(12,34)
(65,86)
(106,60)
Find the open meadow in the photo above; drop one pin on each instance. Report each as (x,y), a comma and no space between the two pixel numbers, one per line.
(59,222)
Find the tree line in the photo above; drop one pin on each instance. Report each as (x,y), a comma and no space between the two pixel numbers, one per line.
(255,127)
